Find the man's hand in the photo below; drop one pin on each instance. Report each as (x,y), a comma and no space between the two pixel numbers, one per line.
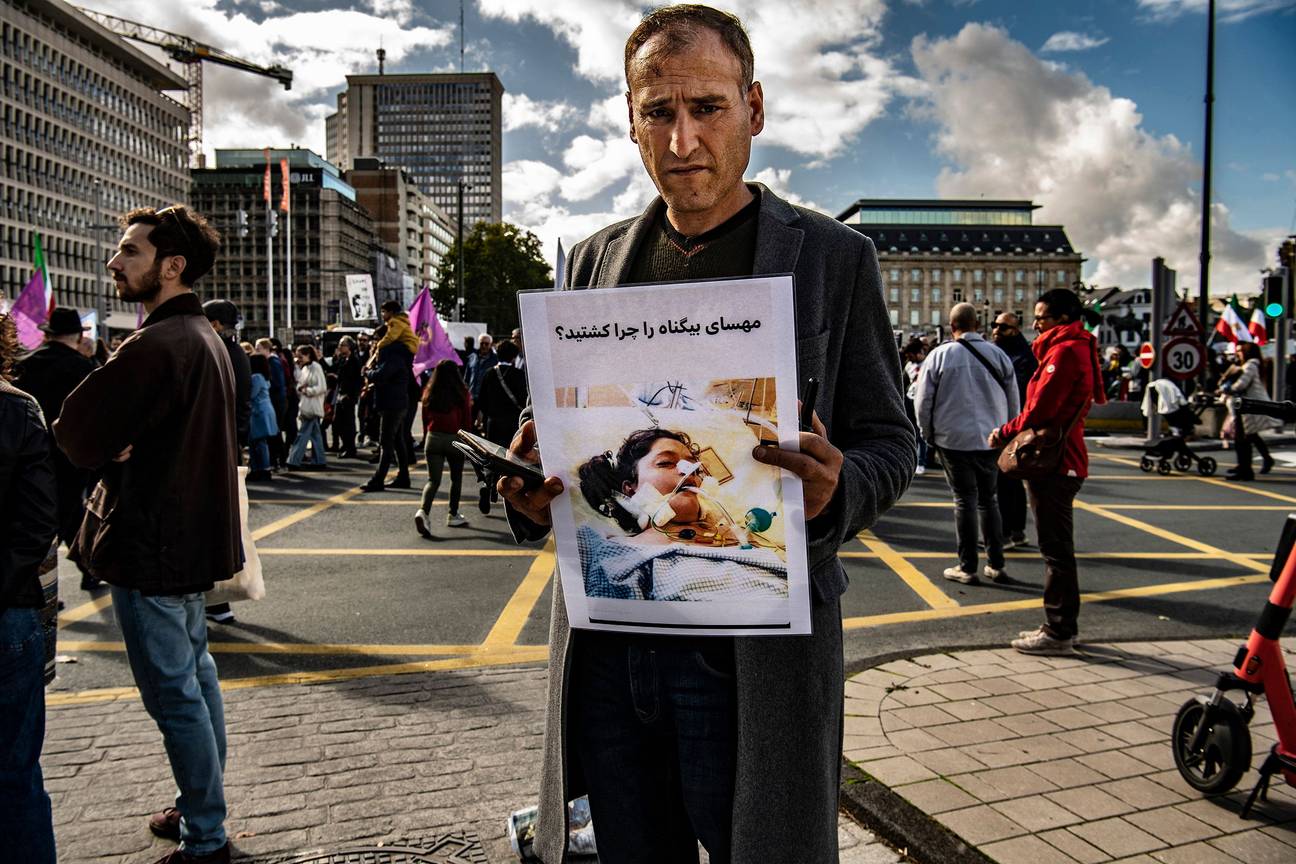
(995,440)
(818,465)
(531,503)
(125,454)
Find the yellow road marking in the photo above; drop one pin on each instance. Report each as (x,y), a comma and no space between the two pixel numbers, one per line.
(860,622)
(447,553)
(1171,556)
(509,625)
(1171,536)
(338,649)
(523,654)
(85,610)
(1246,487)
(912,576)
(305,513)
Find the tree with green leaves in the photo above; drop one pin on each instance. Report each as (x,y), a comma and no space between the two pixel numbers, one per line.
(499,260)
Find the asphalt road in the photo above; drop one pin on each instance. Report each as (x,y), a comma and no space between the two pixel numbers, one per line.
(354,591)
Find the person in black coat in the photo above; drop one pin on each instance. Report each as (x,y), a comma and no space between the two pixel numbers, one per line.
(390,377)
(28,526)
(346,366)
(49,374)
(224,318)
(503,396)
(1007,335)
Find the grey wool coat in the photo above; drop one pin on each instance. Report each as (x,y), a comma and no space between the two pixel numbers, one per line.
(789,687)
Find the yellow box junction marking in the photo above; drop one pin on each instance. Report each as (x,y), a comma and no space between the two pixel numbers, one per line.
(912,576)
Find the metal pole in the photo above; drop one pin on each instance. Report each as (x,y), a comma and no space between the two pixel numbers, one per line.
(459,267)
(1280,351)
(288,255)
(1203,309)
(270,265)
(1156,337)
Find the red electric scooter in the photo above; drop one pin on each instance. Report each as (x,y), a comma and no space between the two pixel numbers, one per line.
(1211,742)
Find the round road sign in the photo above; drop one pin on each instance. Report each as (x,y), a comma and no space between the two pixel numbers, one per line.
(1183,358)
(1147,355)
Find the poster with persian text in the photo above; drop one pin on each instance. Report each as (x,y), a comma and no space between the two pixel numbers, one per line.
(648,403)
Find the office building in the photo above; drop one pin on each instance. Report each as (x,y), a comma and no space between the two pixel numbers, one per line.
(409,225)
(935,253)
(441,128)
(87,135)
(332,235)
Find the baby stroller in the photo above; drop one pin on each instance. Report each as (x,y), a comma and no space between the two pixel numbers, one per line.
(1173,451)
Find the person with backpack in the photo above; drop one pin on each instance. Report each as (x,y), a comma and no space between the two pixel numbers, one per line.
(966,389)
(447,408)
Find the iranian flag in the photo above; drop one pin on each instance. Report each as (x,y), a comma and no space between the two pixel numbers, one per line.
(1231,325)
(1257,326)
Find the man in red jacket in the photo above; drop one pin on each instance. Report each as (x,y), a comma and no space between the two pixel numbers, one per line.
(1057,398)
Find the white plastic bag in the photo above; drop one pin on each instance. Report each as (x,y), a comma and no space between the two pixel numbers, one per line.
(246,584)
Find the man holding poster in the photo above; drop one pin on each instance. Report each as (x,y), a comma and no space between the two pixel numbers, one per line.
(731,741)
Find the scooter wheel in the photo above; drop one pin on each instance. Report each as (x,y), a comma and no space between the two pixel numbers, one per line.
(1163,467)
(1183,461)
(1225,752)
(1147,464)
(1206,466)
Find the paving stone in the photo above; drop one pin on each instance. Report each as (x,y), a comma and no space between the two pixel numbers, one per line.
(863,726)
(1075,847)
(1000,686)
(1068,773)
(1158,755)
(1089,802)
(1254,847)
(897,770)
(1113,764)
(980,824)
(1141,793)
(1070,718)
(1172,826)
(1116,837)
(936,796)
(1091,740)
(1136,732)
(923,716)
(1036,814)
(1054,698)
(1025,850)
(971,709)
(947,761)
(1193,853)
(958,690)
(971,731)
(914,740)
(1028,724)
(1219,813)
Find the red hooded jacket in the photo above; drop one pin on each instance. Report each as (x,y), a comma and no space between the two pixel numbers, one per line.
(1067,378)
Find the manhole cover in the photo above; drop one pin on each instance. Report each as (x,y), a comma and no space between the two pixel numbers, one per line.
(457,848)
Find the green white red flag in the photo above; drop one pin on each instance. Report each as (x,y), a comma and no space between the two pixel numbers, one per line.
(1232,325)
(1257,326)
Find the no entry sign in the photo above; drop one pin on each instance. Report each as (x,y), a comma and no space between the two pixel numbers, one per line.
(1147,355)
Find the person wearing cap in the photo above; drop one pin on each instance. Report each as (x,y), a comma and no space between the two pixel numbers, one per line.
(49,374)
(224,318)
(162,526)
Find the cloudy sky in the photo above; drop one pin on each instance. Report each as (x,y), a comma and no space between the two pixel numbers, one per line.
(1091,108)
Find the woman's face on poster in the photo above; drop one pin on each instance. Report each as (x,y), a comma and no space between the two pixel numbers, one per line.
(660,467)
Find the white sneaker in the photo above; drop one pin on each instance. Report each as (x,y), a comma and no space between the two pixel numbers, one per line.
(1015,541)
(958,574)
(454,520)
(920,470)
(420,524)
(995,574)
(1040,642)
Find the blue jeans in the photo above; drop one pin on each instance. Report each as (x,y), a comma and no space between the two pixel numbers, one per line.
(655,728)
(259,455)
(26,823)
(309,431)
(166,644)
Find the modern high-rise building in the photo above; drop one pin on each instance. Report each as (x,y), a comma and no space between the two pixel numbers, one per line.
(87,135)
(442,128)
(409,225)
(936,253)
(332,236)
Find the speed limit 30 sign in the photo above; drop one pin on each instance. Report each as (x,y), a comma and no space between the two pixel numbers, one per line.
(1182,358)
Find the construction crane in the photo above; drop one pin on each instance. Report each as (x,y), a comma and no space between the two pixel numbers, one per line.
(191,54)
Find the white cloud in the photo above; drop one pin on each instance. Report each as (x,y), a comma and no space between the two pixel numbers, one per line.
(1068,40)
(779,180)
(1013,126)
(1227,10)
(521,111)
(597,164)
(320,47)
(527,180)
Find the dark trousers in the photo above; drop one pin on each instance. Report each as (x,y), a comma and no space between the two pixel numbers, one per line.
(1012,505)
(1245,441)
(655,729)
(25,819)
(393,441)
(1051,500)
(440,452)
(70,484)
(344,425)
(973,478)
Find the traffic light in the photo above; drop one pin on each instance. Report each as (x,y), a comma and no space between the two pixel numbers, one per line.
(274,223)
(241,223)
(1275,304)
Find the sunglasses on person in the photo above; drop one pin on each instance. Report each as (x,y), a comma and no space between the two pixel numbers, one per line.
(173,213)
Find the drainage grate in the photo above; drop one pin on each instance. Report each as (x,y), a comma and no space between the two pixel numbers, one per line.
(457,848)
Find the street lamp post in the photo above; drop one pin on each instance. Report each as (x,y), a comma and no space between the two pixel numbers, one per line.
(101,295)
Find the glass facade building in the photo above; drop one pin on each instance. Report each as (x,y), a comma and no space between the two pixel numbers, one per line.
(87,135)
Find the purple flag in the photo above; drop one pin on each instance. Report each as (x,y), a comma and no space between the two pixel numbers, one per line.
(434,343)
(30,311)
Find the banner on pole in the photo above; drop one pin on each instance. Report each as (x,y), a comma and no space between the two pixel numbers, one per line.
(360,297)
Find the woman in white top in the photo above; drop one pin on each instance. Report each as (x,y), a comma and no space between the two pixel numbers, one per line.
(311,388)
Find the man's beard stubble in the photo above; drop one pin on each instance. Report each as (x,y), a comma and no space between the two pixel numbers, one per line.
(149,287)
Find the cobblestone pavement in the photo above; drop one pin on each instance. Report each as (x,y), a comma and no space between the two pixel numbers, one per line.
(320,766)
(1058,760)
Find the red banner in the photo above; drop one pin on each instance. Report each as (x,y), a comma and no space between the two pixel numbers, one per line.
(287,193)
(265,187)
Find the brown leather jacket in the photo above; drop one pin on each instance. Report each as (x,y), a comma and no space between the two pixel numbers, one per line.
(165,521)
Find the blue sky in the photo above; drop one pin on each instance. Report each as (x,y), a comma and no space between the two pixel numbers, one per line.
(1092,108)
